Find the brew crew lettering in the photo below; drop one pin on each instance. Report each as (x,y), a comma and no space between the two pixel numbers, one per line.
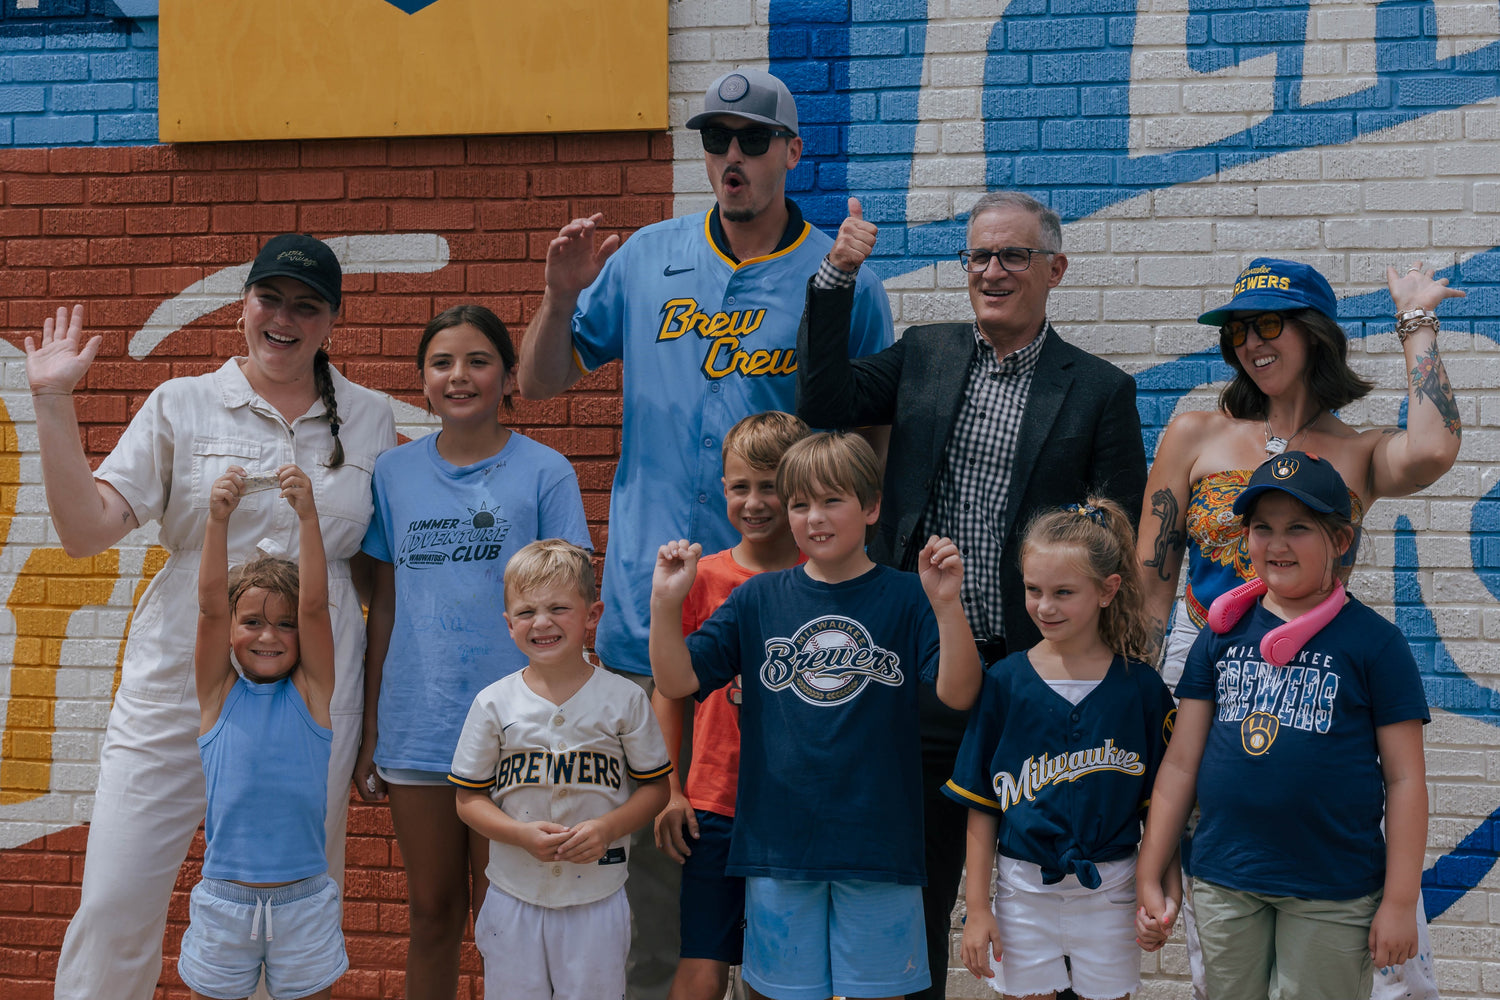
(725,330)
(1039,772)
(572,767)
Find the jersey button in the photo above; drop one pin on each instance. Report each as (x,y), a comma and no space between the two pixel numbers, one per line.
(708,442)
(557,869)
(561,747)
(1077,735)
(1075,716)
(557,720)
(703,498)
(714,387)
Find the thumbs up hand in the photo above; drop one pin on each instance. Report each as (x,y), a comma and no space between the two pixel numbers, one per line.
(855,241)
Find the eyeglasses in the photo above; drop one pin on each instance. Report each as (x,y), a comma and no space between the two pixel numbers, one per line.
(1267,326)
(753,141)
(1011,258)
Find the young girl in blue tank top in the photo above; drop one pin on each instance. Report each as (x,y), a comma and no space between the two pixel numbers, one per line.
(450,510)
(1056,768)
(266,901)
(1300,726)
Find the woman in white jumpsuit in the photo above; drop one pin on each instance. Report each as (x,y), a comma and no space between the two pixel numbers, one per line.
(280,403)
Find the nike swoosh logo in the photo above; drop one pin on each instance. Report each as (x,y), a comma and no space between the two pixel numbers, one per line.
(668,271)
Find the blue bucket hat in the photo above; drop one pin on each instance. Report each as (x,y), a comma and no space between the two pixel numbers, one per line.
(1271,285)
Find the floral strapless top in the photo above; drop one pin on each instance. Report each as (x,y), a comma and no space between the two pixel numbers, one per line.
(1218,554)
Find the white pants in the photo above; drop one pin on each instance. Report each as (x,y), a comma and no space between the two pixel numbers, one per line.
(147,807)
(540,953)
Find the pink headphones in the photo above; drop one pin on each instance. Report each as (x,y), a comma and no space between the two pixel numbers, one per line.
(1278,646)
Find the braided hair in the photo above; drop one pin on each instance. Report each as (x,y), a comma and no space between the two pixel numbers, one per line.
(323,377)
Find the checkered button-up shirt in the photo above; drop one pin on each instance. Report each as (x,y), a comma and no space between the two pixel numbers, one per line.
(973,485)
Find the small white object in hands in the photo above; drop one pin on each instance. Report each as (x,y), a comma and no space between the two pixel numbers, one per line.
(264,481)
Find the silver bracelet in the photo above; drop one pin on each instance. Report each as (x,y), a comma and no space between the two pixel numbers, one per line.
(1409,322)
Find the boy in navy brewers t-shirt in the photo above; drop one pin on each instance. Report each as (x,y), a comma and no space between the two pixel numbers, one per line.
(830,654)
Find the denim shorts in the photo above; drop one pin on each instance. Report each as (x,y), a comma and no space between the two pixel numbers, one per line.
(292,930)
(852,938)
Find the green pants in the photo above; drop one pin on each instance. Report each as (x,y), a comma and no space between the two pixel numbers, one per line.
(1258,947)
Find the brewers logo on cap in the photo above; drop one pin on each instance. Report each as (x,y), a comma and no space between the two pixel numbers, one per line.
(733,88)
(1284,468)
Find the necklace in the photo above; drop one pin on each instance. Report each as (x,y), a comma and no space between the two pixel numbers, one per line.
(1276,445)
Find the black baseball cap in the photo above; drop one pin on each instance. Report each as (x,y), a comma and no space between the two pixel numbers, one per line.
(306,258)
(1311,479)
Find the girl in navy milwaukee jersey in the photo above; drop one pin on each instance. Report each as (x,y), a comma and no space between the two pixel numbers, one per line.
(1300,724)
(1056,766)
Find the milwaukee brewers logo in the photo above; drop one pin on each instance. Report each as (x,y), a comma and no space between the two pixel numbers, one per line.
(1258,732)
(1167,725)
(1284,468)
(828,661)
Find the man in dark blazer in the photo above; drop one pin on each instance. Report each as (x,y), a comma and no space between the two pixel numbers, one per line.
(992,421)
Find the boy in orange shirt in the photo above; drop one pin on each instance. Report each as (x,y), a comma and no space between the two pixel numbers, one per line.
(694,828)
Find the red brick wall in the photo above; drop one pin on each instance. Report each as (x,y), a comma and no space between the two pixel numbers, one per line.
(123,229)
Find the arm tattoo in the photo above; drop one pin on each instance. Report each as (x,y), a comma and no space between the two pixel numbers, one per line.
(1169,542)
(1156,634)
(1430,380)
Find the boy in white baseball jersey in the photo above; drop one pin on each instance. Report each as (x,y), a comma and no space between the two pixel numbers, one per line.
(557,765)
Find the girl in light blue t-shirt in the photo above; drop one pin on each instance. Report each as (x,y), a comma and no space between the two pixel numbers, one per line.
(450,510)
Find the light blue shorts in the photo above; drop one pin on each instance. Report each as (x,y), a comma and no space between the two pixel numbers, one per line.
(813,940)
(412,776)
(293,930)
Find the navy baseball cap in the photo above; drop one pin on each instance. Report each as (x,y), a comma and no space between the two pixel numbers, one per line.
(306,258)
(749,93)
(1311,479)
(1271,285)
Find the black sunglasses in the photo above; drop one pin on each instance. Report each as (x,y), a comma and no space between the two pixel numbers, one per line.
(1267,326)
(753,141)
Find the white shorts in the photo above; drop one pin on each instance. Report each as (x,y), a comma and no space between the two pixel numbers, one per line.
(540,953)
(1039,924)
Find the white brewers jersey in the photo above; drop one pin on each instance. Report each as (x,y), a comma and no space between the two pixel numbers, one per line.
(562,764)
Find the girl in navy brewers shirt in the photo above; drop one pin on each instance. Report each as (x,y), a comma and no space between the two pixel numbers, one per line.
(1300,723)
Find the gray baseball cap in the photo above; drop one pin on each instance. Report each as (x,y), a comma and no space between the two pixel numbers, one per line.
(749,93)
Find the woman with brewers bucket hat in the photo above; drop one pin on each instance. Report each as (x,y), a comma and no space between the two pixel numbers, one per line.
(281,403)
(1279,333)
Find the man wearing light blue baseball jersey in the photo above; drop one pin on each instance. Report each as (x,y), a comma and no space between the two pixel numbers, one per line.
(703,313)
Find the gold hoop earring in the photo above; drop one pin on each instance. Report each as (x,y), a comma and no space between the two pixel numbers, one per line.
(327,345)
(239,325)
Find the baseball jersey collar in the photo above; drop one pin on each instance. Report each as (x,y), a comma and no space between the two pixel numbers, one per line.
(789,236)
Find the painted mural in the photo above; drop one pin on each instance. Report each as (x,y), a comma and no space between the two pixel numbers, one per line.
(1177,139)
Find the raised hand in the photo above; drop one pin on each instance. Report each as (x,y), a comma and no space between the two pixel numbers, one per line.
(1416,289)
(676,567)
(941,569)
(573,259)
(855,240)
(224,495)
(56,366)
(296,489)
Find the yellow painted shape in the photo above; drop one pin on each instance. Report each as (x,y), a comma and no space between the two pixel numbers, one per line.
(49,589)
(156,558)
(293,69)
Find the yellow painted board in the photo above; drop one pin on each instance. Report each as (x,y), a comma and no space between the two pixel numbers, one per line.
(302,69)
